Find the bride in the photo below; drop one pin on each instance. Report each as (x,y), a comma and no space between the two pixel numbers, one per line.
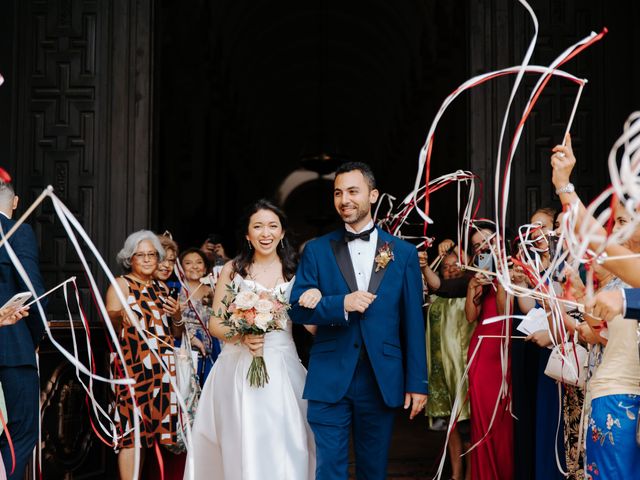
(244,432)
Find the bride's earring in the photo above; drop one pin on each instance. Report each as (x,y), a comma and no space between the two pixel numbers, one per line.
(249,243)
(282,242)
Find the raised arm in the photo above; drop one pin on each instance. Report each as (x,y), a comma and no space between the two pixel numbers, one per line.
(519,278)
(472,304)
(431,278)
(562,162)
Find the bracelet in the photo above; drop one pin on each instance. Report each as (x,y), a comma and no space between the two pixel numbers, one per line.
(568,188)
(177,323)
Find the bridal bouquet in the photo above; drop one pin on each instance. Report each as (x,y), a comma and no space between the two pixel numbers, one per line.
(255,313)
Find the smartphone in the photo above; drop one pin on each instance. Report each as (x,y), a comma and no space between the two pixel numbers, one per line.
(18,300)
(173,292)
(484,261)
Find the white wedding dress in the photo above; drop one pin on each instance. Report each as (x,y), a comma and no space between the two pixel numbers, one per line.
(250,433)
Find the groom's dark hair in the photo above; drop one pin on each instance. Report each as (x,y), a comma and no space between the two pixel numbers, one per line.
(363,168)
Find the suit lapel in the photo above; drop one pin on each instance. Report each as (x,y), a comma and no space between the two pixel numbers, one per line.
(341,251)
(376,277)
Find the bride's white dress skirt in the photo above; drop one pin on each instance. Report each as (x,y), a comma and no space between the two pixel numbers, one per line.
(250,433)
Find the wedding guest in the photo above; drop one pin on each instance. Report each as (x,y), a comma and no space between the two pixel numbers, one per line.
(492,458)
(448,335)
(547,401)
(196,300)
(158,315)
(18,342)
(173,458)
(165,267)
(213,248)
(572,395)
(11,316)
(611,448)
(612,393)
(613,380)
(524,367)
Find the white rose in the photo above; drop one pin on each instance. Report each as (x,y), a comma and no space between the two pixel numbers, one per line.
(264,306)
(262,321)
(246,300)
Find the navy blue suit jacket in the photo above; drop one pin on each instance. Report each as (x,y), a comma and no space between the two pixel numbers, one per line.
(18,342)
(392,328)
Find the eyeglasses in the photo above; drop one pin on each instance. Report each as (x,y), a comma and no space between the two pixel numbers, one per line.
(145,255)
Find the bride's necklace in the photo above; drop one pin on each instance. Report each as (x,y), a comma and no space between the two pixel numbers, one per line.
(264,270)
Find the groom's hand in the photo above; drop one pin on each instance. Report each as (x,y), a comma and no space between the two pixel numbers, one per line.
(417,401)
(358,301)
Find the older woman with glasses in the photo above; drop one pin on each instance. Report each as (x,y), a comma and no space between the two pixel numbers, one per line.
(158,316)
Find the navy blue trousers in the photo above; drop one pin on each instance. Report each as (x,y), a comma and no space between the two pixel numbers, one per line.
(363,411)
(22,395)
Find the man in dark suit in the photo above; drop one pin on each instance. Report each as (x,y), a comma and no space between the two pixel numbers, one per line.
(18,343)
(362,287)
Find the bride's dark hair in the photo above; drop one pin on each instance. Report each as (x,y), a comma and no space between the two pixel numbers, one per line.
(286,252)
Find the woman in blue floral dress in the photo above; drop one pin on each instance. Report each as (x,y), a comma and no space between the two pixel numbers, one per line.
(614,390)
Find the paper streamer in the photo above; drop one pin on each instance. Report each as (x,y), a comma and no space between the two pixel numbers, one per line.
(71,225)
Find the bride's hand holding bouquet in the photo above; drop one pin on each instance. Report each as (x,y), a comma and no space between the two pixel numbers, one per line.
(251,315)
(255,344)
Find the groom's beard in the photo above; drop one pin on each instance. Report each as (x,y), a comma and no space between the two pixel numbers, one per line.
(355,216)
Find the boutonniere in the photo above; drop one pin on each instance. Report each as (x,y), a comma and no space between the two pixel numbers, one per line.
(385,255)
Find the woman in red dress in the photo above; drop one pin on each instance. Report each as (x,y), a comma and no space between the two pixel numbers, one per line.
(492,459)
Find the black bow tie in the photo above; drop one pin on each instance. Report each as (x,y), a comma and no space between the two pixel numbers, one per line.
(365,235)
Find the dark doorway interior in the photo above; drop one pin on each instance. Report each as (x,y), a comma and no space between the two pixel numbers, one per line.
(246,89)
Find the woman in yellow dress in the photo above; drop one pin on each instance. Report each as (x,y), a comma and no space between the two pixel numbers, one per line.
(448,336)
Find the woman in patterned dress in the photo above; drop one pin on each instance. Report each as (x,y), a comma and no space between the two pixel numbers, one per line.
(159,316)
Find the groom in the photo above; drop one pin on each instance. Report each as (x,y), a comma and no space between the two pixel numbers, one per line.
(368,356)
